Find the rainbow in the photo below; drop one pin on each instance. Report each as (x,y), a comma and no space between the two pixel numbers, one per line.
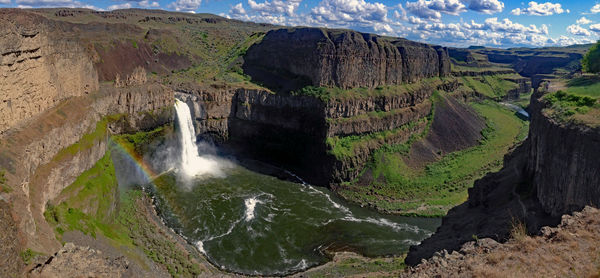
(133,157)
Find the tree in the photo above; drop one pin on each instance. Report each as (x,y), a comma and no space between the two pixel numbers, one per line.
(591,60)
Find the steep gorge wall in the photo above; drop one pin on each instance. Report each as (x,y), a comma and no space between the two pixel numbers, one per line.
(55,118)
(341,58)
(292,131)
(38,69)
(563,162)
(47,154)
(542,179)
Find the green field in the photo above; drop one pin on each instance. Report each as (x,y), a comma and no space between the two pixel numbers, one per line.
(578,103)
(432,191)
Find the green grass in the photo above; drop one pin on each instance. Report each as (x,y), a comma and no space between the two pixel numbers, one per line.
(332,94)
(577,108)
(587,85)
(95,192)
(3,186)
(360,266)
(28,255)
(88,140)
(348,146)
(93,205)
(441,185)
(492,86)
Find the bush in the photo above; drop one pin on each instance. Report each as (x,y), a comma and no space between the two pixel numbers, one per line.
(591,60)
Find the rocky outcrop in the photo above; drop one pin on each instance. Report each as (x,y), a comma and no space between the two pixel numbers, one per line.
(38,68)
(564,176)
(524,87)
(552,254)
(340,58)
(80,261)
(541,180)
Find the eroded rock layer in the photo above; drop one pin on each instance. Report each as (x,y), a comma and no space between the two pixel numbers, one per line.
(38,68)
(341,58)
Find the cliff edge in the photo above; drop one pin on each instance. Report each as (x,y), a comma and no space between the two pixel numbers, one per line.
(541,180)
(340,58)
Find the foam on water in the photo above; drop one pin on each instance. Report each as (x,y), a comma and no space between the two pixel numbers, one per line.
(250,204)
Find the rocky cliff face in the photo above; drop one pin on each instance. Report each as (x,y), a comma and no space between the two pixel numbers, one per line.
(341,58)
(46,155)
(38,68)
(293,130)
(541,180)
(563,163)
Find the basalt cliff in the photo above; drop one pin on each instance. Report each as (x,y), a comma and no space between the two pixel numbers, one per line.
(541,180)
(341,58)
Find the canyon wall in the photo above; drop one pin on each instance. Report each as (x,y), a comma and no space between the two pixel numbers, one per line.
(541,180)
(56,119)
(563,164)
(293,131)
(38,68)
(44,156)
(341,58)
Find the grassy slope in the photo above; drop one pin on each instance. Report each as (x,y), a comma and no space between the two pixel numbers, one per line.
(93,205)
(443,184)
(349,264)
(579,103)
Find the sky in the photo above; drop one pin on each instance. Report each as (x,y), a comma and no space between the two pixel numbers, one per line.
(459,23)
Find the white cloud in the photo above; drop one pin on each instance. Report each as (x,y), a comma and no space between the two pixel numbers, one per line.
(5,2)
(52,3)
(485,6)
(345,12)
(583,21)
(595,28)
(119,6)
(578,30)
(595,9)
(540,9)
(433,9)
(185,5)
(275,7)
(508,26)
(148,4)
(237,10)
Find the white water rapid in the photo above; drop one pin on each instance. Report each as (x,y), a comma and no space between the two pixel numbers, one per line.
(191,163)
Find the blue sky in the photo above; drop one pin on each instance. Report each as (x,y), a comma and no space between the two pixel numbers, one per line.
(494,23)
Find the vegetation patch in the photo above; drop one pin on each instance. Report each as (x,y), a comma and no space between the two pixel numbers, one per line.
(349,146)
(579,106)
(433,190)
(29,255)
(3,186)
(492,86)
(327,94)
(348,265)
(94,206)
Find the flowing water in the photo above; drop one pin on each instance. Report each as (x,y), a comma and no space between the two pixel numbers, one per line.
(252,223)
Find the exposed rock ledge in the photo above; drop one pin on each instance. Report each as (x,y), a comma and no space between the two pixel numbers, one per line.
(542,179)
(569,250)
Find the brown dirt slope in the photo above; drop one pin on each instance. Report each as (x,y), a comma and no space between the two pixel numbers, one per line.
(455,127)
(570,250)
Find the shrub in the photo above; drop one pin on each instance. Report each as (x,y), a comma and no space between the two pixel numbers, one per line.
(518,230)
(591,60)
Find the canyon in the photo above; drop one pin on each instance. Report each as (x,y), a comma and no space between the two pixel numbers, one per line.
(330,106)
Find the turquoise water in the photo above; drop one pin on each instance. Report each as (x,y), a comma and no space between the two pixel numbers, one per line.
(252,223)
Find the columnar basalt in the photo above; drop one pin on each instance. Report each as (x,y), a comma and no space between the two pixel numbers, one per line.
(341,58)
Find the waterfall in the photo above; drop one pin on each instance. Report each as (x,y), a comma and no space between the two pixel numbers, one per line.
(192,164)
